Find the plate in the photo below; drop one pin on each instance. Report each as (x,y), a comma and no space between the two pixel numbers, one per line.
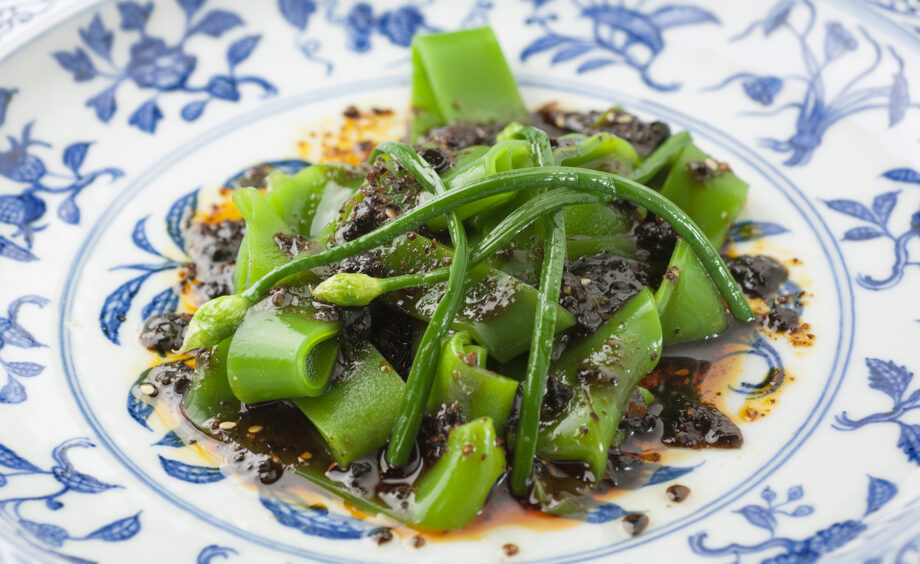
(120,119)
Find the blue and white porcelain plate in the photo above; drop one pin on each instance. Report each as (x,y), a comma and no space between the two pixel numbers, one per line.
(120,118)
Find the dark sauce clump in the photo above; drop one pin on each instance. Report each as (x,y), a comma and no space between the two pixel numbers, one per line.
(644,136)
(594,287)
(460,135)
(387,192)
(164,332)
(758,276)
(689,422)
(212,248)
(656,237)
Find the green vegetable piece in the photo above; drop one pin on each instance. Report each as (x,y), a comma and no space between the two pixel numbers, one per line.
(711,196)
(215,321)
(602,151)
(281,353)
(209,397)
(463,378)
(454,491)
(503,156)
(603,372)
(356,415)
(348,289)
(661,157)
(689,304)
(259,253)
(498,309)
(317,191)
(461,75)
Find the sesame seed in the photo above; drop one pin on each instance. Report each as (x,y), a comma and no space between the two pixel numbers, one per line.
(624,118)
(227,425)
(148,389)
(255,428)
(711,164)
(586,281)
(390,213)
(305,455)
(467,448)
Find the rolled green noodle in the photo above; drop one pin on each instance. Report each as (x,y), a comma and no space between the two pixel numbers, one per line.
(713,203)
(461,75)
(310,199)
(356,414)
(503,156)
(259,253)
(615,358)
(463,378)
(689,304)
(498,310)
(208,396)
(281,352)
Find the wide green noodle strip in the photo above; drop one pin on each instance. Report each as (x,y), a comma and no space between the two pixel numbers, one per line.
(541,343)
(418,384)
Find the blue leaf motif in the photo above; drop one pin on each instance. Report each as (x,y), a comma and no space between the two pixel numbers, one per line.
(883,204)
(189,472)
(541,44)
(12,392)
(116,306)
(851,208)
(314,521)
(759,516)
(13,334)
(191,6)
(167,300)
(97,37)
(777,16)
(803,511)
(240,49)
(77,63)
(6,94)
(13,251)
(569,53)
(68,211)
(668,473)
(605,513)
(133,15)
(909,442)
(139,236)
(74,155)
(146,116)
(78,481)
(103,104)
(638,26)
(795,493)
(674,16)
(223,87)
(903,175)
(837,41)
(216,22)
(45,532)
(177,213)
(862,234)
(193,110)
(24,369)
(170,439)
(10,459)
(880,492)
(139,410)
(120,530)
(592,64)
(297,12)
(751,230)
(898,100)
(888,377)
(210,552)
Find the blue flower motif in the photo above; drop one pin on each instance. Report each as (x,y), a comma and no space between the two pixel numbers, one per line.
(763,89)
(838,41)
(156,65)
(401,25)
(359,23)
(153,64)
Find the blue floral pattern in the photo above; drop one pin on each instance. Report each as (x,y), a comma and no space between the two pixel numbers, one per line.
(894,381)
(210,552)
(15,335)
(66,480)
(153,64)
(361,23)
(23,166)
(622,35)
(767,517)
(877,218)
(818,109)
